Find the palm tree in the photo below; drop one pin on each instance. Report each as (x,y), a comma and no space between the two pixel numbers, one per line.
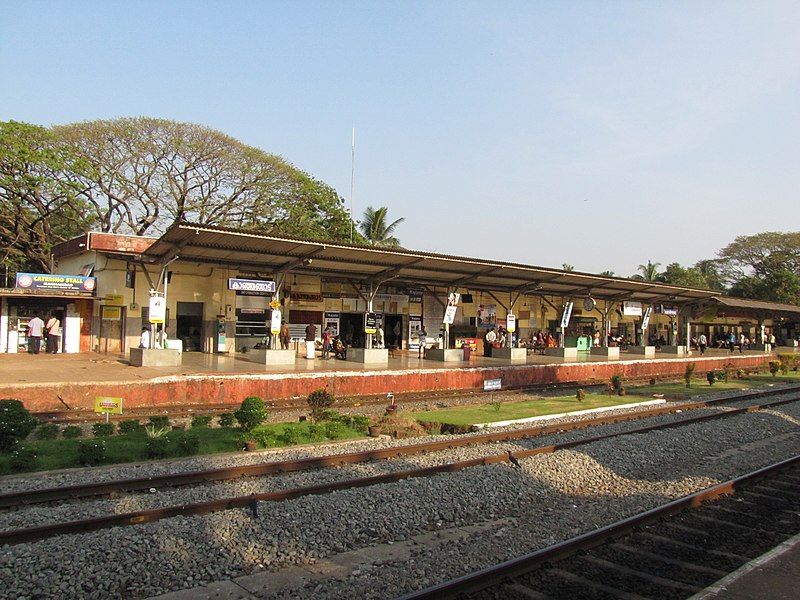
(567,267)
(374,228)
(607,273)
(649,272)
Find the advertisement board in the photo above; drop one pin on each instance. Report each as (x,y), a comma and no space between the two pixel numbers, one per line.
(450,315)
(61,283)
(511,323)
(414,325)
(632,309)
(370,323)
(275,322)
(105,404)
(158,309)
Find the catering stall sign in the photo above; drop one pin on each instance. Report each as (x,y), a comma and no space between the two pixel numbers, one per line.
(61,283)
(632,309)
(261,287)
(106,404)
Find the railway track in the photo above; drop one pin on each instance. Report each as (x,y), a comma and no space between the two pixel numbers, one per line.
(59,493)
(672,551)
(134,518)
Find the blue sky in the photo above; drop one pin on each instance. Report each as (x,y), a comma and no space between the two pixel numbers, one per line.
(599,134)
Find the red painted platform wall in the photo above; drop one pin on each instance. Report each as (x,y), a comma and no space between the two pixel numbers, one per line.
(229,389)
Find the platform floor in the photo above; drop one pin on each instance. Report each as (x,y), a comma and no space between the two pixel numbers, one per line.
(96,367)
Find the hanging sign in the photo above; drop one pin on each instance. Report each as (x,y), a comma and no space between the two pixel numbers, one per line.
(158,309)
(632,309)
(275,323)
(104,404)
(511,323)
(370,322)
(257,286)
(646,318)
(449,315)
(566,314)
(415,295)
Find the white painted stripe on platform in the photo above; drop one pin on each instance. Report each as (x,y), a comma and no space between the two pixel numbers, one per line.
(567,414)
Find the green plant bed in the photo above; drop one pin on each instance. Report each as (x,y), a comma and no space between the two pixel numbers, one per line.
(488,413)
(679,391)
(133,447)
(276,435)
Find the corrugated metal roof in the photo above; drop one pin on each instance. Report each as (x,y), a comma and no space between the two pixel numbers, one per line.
(757,305)
(252,251)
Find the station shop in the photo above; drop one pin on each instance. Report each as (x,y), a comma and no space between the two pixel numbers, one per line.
(335,285)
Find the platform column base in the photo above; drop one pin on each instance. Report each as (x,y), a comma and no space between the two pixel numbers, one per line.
(512,354)
(677,350)
(154,357)
(646,351)
(368,356)
(562,352)
(444,355)
(611,353)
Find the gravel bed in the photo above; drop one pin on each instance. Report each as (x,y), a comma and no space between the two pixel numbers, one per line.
(79,476)
(552,497)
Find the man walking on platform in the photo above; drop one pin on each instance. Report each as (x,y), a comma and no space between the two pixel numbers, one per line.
(702,343)
(35,328)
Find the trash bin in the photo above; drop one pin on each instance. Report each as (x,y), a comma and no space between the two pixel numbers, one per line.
(467,352)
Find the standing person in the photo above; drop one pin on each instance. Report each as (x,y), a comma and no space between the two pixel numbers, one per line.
(52,333)
(284,336)
(489,339)
(702,342)
(326,343)
(144,338)
(311,336)
(379,337)
(35,328)
(771,340)
(732,341)
(423,338)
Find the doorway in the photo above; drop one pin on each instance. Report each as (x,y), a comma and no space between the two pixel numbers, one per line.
(351,328)
(112,326)
(393,331)
(189,326)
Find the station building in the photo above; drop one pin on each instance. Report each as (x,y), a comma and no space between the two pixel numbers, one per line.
(222,285)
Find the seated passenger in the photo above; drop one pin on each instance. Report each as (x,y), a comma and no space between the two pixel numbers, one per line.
(339,348)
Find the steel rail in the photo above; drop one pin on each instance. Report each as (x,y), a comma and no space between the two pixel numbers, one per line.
(196,477)
(495,574)
(17,536)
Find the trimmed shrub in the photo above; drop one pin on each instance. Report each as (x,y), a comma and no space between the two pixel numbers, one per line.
(334,431)
(158,447)
(16,423)
(266,439)
(201,421)
(360,423)
(688,372)
(319,400)
(226,420)
(91,452)
(616,383)
(48,431)
(160,422)
(252,413)
(740,373)
(774,367)
(22,459)
(317,433)
(710,377)
(71,432)
(291,436)
(130,426)
(187,444)
(622,392)
(580,395)
(103,429)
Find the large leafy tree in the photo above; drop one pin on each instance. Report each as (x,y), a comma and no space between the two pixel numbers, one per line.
(145,174)
(759,255)
(40,201)
(675,274)
(376,229)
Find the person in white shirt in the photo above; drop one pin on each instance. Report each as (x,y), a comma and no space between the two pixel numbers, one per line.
(35,328)
(144,339)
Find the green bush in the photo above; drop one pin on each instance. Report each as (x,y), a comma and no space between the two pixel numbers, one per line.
(16,423)
(267,439)
(291,436)
(334,431)
(187,445)
(48,431)
(580,395)
(774,367)
(201,421)
(71,432)
(103,429)
(317,433)
(319,400)
(622,392)
(160,422)
(226,420)
(91,452)
(252,413)
(158,447)
(130,426)
(710,377)
(688,372)
(361,423)
(22,459)
(616,383)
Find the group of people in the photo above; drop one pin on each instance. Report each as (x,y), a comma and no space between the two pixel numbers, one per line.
(37,328)
(730,341)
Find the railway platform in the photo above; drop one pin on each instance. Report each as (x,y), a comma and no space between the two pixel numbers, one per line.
(47,382)
(772,576)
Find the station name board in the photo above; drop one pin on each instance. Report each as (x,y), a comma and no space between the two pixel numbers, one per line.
(251,286)
(62,283)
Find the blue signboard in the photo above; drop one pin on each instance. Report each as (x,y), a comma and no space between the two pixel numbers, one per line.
(61,283)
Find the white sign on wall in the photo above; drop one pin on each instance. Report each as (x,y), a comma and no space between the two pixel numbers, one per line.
(632,309)
(450,315)
(275,324)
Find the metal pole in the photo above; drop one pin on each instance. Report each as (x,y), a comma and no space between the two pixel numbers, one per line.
(352,181)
